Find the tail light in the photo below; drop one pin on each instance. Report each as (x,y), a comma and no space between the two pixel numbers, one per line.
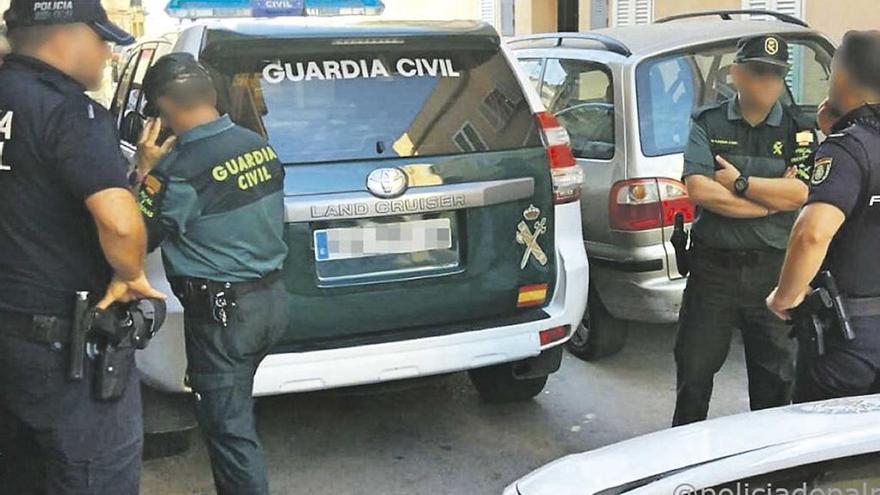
(568,178)
(554,334)
(644,204)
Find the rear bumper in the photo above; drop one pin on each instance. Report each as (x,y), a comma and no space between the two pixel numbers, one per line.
(164,363)
(635,285)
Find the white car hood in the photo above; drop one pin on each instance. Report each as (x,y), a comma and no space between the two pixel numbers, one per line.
(666,451)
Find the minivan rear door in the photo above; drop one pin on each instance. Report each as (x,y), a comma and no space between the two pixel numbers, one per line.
(418,193)
(672,86)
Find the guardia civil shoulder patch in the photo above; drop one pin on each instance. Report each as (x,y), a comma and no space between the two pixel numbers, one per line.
(821,170)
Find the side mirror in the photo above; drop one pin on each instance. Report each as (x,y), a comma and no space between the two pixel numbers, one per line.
(132,125)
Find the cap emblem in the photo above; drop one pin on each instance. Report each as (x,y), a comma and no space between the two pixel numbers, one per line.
(771,46)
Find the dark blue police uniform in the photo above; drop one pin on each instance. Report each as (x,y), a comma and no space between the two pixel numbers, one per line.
(57,148)
(846,174)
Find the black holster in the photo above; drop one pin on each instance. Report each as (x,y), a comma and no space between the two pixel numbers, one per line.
(679,241)
(114,366)
(112,337)
(823,311)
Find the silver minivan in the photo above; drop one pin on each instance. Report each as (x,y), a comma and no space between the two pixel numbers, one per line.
(625,96)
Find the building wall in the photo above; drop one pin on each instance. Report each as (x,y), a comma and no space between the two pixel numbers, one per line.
(663,8)
(836,18)
(831,17)
(421,9)
(535,16)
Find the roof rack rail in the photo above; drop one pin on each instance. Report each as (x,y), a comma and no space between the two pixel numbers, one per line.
(607,42)
(726,15)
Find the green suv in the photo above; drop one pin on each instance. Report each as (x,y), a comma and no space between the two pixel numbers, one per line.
(431,203)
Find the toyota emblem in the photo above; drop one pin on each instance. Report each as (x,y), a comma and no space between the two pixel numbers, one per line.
(387,182)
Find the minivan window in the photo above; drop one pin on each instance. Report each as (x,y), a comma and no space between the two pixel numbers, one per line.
(372,103)
(671,87)
(581,96)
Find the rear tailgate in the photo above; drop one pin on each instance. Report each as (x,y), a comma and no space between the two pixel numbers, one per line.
(473,224)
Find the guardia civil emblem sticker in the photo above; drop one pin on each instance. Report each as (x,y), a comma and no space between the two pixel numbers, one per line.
(821,170)
(771,46)
(778,148)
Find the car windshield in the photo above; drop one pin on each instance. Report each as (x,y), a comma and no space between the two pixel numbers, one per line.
(671,87)
(368,103)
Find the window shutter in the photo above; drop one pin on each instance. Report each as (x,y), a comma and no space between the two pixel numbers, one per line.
(488,11)
(632,12)
(790,7)
(644,12)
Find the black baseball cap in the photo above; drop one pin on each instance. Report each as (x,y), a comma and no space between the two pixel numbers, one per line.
(858,53)
(28,13)
(769,49)
(172,72)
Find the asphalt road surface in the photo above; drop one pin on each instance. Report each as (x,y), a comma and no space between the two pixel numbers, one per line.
(436,437)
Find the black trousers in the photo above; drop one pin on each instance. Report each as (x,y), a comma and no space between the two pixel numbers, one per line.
(54,438)
(724,294)
(221,367)
(847,369)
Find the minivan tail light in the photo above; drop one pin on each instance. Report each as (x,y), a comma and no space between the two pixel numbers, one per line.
(568,178)
(644,204)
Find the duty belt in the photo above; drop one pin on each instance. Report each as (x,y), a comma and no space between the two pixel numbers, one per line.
(737,257)
(185,286)
(863,306)
(39,329)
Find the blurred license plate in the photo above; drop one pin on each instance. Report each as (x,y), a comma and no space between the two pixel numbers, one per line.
(382,239)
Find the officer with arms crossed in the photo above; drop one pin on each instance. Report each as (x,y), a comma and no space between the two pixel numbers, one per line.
(839,230)
(741,164)
(215,204)
(69,223)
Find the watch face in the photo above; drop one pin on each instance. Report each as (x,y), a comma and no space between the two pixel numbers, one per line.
(741,185)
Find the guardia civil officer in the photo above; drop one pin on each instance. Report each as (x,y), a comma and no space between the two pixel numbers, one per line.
(839,230)
(69,223)
(743,168)
(215,205)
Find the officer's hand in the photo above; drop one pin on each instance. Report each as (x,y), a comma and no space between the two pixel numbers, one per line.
(126,291)
(780,307)
(148,152)
(790,173)
(727,174)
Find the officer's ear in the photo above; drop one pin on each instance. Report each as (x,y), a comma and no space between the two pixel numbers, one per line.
(736,74)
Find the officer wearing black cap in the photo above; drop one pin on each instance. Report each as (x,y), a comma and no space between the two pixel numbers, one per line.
(746,163)
(839,230)
(69,223)
(212,198)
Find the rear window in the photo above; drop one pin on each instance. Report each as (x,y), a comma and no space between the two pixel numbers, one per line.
(671,87)
(374,102)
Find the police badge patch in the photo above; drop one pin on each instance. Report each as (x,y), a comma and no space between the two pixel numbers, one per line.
(821,170)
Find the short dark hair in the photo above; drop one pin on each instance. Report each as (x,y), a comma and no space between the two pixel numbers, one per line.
(27,38)
(180,77)
(191,93)
(858,56)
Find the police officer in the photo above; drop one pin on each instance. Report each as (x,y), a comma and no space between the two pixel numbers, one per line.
(215,205)
(839,230)
(69,223)
(741,164)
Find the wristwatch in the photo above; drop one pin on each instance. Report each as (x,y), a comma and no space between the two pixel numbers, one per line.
(741,185)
